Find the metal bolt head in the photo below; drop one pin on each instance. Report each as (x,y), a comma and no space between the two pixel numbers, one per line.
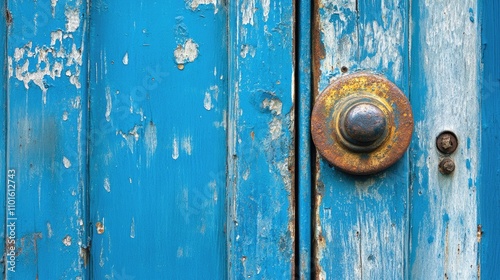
(446,166)
(447,142)
(364,123)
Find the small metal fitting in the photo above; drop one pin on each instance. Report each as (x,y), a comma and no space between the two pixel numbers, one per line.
(446,166)
(447,142)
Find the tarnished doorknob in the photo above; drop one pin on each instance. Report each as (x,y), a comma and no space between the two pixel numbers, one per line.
(362,123)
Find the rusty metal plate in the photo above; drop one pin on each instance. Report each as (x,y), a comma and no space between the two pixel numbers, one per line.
(374,112)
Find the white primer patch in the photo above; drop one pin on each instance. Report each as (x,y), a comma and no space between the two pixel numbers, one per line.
(175,148)
(207,101)
(248,11)
(109,104)
(132,228)
(72,19)
(150,141)
(186,145)
(107,185)
(125,59)
(194,4)
(186,53)
(66,162)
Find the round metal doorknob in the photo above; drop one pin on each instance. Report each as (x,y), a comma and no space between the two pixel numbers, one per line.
(362,123)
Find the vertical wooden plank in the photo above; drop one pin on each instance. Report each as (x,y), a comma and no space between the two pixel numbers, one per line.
(489,193)
(304,160)
(158,147)
(3,131)
(444,86)
(46,138)
(261,217)
(361,227)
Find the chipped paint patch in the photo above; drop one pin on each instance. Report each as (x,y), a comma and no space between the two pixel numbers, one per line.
(65,116)
(50,233)
(107,185)
(37,63)
(186,53)
(150,141)
(207,101)
(66,162)
(247,49)
(186,145)
(132,228)
(194,4)
(72,19)
(266,5)
(125,59)
(248,12)
(109,104)
(175,148)
(53,4)
(67,241)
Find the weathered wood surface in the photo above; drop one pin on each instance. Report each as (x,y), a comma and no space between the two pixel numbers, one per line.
(46,110)
(489,191)
(409,221)
(445,94)
(261,188)
(158,102)
(361,223)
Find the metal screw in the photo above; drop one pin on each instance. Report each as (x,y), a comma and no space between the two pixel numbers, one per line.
(447,142)
(446,166)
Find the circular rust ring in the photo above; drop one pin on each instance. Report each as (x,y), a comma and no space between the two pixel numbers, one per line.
(328,113)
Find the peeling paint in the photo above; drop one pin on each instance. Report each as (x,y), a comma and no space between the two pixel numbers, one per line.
(132,228)
(66,162)
(207,101)
(72,19)
(247,12)
(107,185)
(247,49)
(50,233)
(186,53)
(186,145)
(35,63)
(67,241)
(194,4)
(150,141)
(125,59)
(175,148)
(109,104)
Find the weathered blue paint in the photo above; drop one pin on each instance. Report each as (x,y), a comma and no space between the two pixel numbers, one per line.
(261,188)
(303,145)
(445,96)
(158,101)
(489,193)
(3,131)
(46,137)
(361,228)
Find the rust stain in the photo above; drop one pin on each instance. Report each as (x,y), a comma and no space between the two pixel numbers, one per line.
(318,49)
(8,17)
(99,227)
(479,233)
(326,115)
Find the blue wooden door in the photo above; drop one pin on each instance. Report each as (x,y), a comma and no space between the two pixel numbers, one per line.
(148,139)
(410,221)
(162,140)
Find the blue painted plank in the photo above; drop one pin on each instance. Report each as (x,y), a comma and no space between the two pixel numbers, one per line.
(489,193)
(261,190)
(158,88)
(303,173)
(360,223)
(3,115)
(46,137)
(445,57)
